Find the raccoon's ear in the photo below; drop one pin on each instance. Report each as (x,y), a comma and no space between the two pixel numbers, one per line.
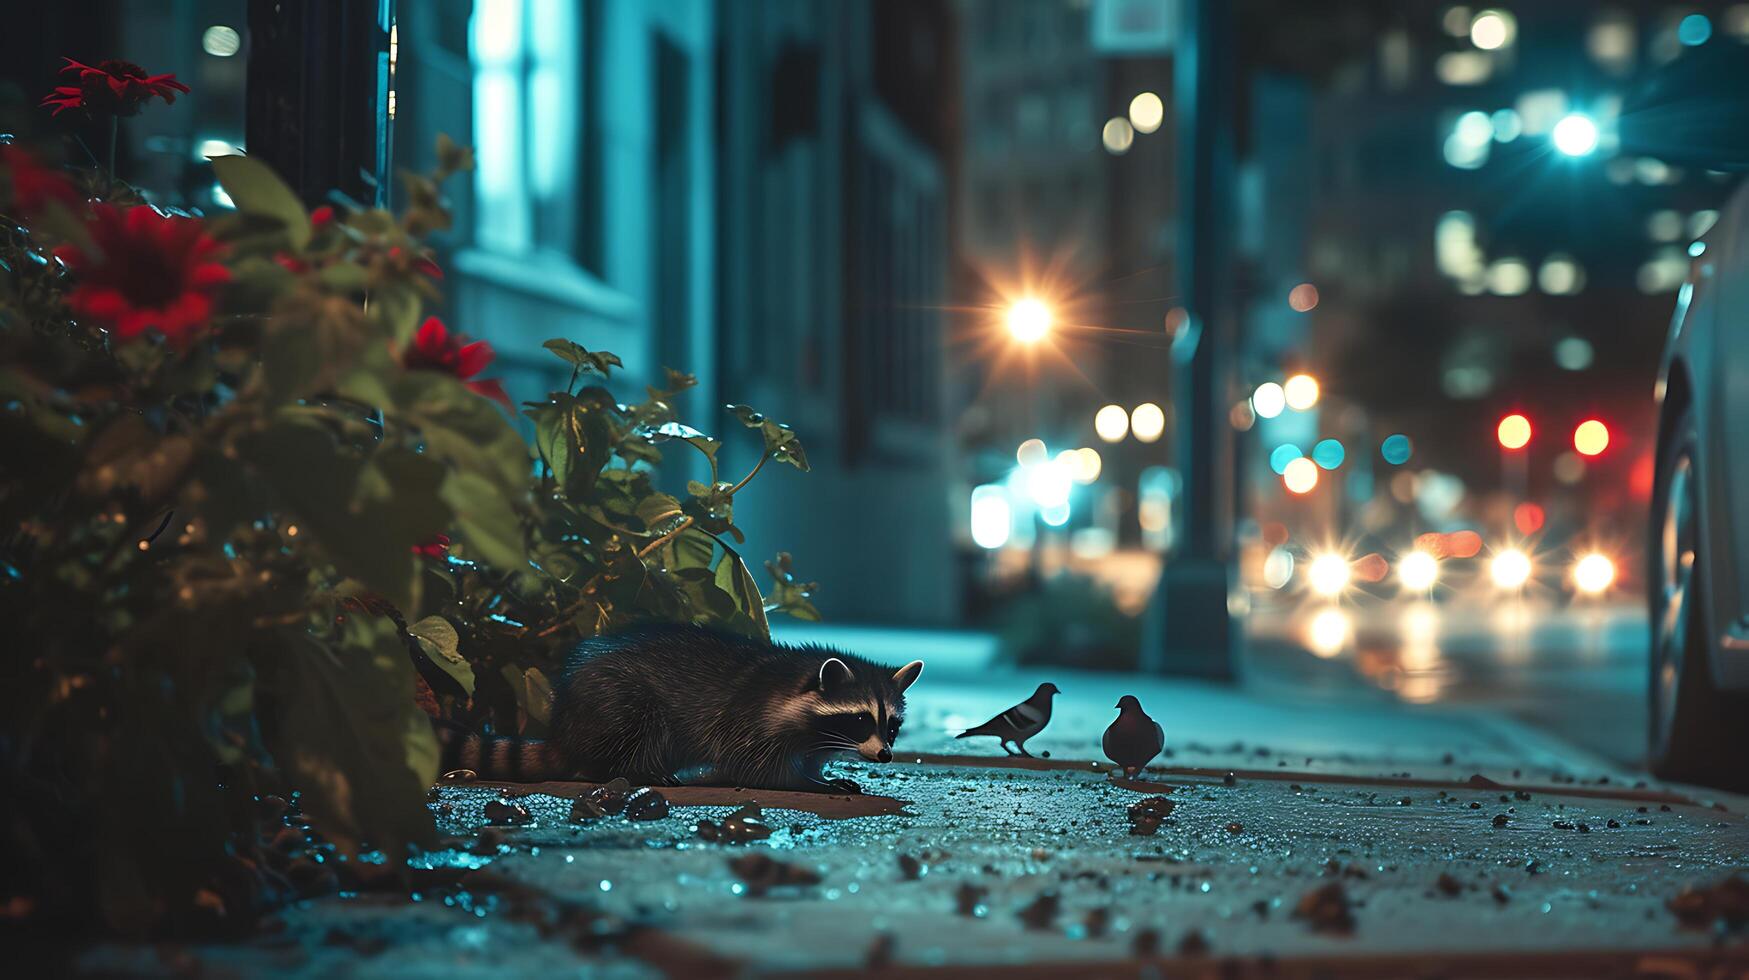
(835,676)
(905,675)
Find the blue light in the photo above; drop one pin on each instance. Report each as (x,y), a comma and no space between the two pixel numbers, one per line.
(1696,249)
(1396,449)
(1329,454)
(1575,135)
(1056,515)
(1282,455)
(1694,30)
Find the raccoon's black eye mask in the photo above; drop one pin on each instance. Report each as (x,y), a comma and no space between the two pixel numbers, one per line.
(857,726)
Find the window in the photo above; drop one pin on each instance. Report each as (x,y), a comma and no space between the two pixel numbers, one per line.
(529,94)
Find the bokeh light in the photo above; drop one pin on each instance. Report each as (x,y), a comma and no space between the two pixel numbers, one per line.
(1032,452)
(1329,453)
(991,516)
(1591,437)
(1396,449)
(1575,135)
(1268,400)
(1111,423)
(1278,568)
(1510,569)
(1146,112)
(1117,135)
(1328,574)
(1491,30)
(221,41)
(1282,455)
(1528,518)
(1328,632)
(1147,422)
(1303,298)
(1593,574)
(1514,431)
(1301,392)
(1418,571)
(1694,30)
(1573,353)
(1300,475)
(1029,320)
(1085,463)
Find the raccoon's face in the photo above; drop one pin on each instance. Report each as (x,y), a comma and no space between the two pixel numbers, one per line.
(860,714)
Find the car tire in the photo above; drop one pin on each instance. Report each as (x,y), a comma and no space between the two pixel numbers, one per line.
(1693,727)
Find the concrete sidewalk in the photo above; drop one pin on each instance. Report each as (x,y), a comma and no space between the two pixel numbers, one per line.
(1312,831)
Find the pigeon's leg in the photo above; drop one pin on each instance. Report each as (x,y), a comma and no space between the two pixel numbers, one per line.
(1022,747)
(1005,749)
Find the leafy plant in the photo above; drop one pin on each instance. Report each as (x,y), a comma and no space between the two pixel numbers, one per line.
(259,513)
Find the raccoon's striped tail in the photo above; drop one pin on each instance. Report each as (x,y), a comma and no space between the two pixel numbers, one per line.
(500,757)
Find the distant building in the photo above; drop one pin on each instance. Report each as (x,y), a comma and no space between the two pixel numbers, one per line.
(756,193)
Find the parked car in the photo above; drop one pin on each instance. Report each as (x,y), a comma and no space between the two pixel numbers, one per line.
(1696,113)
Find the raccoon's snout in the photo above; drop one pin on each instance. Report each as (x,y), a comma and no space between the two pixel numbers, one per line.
(886,755)
(877,752)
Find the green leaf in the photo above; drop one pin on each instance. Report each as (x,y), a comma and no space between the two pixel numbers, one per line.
(746,592)
(344,278)
(689,549)
(452,156)
(657,511)
(463,429)
(581,357)
(781,442)
(533,693)
(348,733)
(489,526)
(686,433)
(363,515)
(440,642)
(256,189)
(789,594)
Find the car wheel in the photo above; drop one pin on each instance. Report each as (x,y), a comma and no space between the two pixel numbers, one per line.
(1691,722)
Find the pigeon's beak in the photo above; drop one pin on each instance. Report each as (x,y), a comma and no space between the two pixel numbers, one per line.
(1118,705)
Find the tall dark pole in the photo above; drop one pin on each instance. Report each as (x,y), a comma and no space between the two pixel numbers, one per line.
(1188,629)
(318,94)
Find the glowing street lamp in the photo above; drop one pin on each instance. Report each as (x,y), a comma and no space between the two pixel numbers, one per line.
(1328,575)
(1029,320)
(1593,574)
(1418,570)
(1575,135)
(1510,569)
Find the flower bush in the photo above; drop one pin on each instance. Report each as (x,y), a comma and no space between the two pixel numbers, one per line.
(263,517)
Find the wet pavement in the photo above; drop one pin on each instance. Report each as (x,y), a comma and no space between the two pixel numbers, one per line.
(1297,829)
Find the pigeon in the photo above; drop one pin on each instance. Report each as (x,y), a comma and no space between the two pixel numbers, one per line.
(1020,722)
(1134,739)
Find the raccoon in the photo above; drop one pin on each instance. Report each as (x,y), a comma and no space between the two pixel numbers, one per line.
(662,705)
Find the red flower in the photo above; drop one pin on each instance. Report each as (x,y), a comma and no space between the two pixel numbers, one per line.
(34,185)
(322,216)
(437,546)
(436,349)
(116,88)
(146,271)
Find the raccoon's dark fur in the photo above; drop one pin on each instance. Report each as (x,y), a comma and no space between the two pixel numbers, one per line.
(664,704)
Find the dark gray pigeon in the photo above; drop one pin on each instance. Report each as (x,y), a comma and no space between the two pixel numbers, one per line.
(1020,722)
(1134,739)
